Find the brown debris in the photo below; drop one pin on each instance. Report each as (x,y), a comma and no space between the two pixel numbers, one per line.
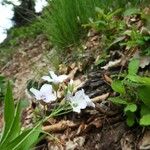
(60,126)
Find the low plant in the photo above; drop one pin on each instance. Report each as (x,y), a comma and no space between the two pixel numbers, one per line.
(23,32)
(66,100)
(134,95)
(12,138)
(63,20)
(2,87)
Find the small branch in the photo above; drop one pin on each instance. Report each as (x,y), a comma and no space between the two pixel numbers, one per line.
(60,126)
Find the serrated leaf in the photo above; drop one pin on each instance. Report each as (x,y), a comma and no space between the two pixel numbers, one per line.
(130,119)
(145,120)
(130,107)
(118,86)
(9,110)
(138,79)
(133,66)
(118,100)
(144,95)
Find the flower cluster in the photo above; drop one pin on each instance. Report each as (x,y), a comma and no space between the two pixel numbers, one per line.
(78,100)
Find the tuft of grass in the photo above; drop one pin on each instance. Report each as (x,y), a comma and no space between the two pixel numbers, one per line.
(63,20)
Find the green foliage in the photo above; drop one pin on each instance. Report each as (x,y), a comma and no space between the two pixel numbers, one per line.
(136,98)
(31,30)
(2,87)
(63,20)
(133,67)
(12,138)
(118,87)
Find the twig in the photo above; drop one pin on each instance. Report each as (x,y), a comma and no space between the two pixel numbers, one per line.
(60,126)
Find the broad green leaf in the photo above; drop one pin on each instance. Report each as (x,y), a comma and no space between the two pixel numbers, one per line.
(15,128)
(144,95)
(9,110)
(131,11)
(138,79)
(145,120)
(118,86)
(118,100)
(130,119)
(133,67)
(17,140)
(31,140)
(130,107)
(26,139)
(144,110)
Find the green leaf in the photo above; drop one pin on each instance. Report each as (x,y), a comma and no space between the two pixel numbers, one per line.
(9,110)
(131,11)
(144,94)
(118,86)
(144,110)
(118,100)
(138,79)
(130,119)
(26,139)
(145,120)
(15,128)
(133,67)
(130,107)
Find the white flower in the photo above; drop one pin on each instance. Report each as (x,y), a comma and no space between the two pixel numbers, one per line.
(46,93)
(54,78)
(80,101)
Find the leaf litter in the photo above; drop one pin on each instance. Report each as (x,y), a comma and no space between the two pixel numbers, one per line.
(99,129)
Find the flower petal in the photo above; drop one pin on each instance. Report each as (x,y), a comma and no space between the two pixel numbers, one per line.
(48,93)
(61,78)
(49,98)
(76,109)
(46,88)
(36,93)
(53,75)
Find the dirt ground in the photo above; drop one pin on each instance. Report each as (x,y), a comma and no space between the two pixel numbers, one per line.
(101,129)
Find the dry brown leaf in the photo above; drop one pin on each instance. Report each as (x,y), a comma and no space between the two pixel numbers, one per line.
(112,64)
(107,79)
(72,73)
(100,98)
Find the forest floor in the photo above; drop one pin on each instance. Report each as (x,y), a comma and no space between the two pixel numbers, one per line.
(101,129)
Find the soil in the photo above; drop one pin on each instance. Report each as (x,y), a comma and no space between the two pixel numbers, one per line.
(101,129)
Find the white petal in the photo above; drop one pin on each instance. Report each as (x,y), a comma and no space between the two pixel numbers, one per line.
(82,104)
(91,104)
(61,78)
(46,88)
(53,75)
(48,94)
(47,78)
(76,109)
(36,93)
(49,98)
